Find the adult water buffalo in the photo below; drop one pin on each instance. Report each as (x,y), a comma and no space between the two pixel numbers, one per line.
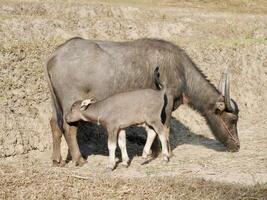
(80,68)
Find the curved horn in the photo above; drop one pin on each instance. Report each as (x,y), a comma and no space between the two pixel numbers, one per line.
(227,98)
(221,86)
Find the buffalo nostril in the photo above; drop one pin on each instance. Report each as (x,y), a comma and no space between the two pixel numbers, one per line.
(237,148)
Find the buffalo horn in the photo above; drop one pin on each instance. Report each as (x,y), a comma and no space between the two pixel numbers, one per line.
(227,98)
(221,86)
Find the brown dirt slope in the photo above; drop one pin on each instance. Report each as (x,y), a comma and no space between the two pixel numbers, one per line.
(236,37)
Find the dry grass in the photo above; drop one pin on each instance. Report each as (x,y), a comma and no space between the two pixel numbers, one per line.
(31,29)
(36,183)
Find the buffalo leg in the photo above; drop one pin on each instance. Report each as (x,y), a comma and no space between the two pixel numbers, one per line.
(71,138)
(122,145)
(167,123)
(56,135)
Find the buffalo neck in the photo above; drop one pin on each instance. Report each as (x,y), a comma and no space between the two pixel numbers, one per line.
(202,96)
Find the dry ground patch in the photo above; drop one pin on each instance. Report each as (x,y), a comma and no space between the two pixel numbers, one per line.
(67,183)
(215,35)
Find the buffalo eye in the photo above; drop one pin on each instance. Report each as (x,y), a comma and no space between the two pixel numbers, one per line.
(233,118)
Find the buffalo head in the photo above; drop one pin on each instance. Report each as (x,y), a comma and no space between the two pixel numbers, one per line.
(227,113)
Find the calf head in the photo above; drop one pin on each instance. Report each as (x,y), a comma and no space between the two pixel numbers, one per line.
(76,111)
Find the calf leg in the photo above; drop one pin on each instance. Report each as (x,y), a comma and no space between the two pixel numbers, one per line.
(166,133)
(112,144)
(56,134)
(162,133)
(151,135)
(122,145)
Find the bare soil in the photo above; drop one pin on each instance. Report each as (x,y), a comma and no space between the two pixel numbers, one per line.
(215,34)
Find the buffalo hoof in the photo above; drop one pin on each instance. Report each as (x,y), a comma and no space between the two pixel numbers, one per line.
(80,162)
(61,163)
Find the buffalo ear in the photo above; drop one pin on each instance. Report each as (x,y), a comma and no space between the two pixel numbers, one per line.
(220,106)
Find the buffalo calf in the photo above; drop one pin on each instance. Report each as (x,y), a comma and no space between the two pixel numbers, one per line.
(117,112)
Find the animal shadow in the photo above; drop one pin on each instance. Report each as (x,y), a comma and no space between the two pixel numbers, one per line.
(92,139)
(181,134)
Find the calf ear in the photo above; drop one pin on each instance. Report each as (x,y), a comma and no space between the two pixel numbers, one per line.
(220,106)
(85,103)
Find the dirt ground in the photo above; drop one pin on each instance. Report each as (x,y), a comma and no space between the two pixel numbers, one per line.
(214,34)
